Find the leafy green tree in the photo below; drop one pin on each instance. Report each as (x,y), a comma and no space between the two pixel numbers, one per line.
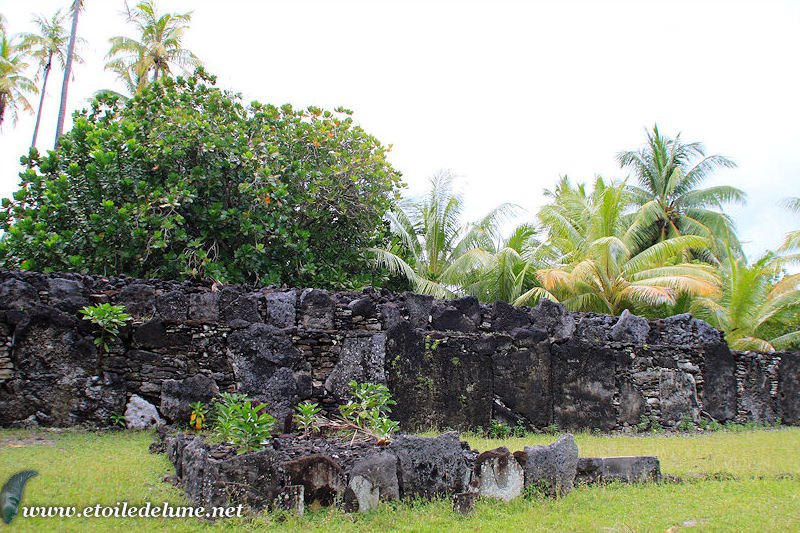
(184,180)
(158,48)
(669,196)
(77,7)
(433,250)
(49,43)
(755,312)
(601,267)
(13,82)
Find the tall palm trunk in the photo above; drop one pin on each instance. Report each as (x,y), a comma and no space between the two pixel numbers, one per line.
(76,7)
(41,100)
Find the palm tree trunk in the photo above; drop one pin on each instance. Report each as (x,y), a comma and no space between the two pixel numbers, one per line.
(41,100)
(76,7)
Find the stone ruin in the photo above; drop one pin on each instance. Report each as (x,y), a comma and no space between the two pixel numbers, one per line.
(294,472)
(449,364)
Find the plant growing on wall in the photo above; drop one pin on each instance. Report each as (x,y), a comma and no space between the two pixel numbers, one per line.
(109,318)
(307,417)
(197,420)
(238,422)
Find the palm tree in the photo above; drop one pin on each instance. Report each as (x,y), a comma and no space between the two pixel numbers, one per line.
(13,83)
(754,312)
(601,266)
(77,7)
(49,43)
(791,244)
(159,46)
(670,173)
(433,250)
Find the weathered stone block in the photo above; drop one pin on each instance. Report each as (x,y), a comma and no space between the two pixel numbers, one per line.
(139,300)
(362,359)
(281,309)
(372,480)
(630,328)
(322,479)
(551,468)
(141,414)
(630,469)
(553,318)
(430,466)
(677,395)
(204,307)
(317,309)
(499,474)
(522,381)
(237,308)
(16,294)
(173,306)
(719,376)
(584,386)
(446,384)
(789,387)
(178,395)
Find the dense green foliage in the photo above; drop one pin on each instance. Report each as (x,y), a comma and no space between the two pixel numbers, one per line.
(237,421)
(185,180)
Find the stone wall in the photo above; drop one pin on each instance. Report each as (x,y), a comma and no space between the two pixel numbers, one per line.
(449,364)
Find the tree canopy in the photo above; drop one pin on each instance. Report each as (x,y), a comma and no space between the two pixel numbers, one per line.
(185,180)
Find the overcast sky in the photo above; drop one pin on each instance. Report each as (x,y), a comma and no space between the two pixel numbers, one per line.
(507,95)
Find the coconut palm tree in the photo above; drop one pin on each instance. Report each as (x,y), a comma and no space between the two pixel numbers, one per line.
(602,266)
(157,51)
(791,244)
(669,173)
(48,44)
(13,82)
(434,251)
(754,312)
(77,7)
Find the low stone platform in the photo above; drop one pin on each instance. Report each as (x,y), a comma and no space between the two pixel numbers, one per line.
(629,469)
(298,472)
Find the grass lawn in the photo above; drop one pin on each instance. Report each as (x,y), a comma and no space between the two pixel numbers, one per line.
(746,481)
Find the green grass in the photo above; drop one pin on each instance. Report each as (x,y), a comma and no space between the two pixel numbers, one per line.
(759,490)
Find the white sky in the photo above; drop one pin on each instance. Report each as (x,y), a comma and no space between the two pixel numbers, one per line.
(508,95)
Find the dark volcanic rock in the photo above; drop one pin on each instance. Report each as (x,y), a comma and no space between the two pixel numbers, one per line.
(463,314)
(362,359)
(521,380)
(173,306)
(372,480)
(204,307)
(322,479)
(237,307)
(506,317)
(419,308)
(553,318)
(316,309)
(139,300)
(678,396)
(633,469)
(586,374)
(429,467)
(68,295)
(16,294)
(446,385)
(789,387)
(363,307)
(281,309)
(719,389)
(178,395)
(551,468)
(630,328)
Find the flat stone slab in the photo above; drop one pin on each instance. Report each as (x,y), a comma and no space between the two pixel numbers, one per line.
(626,469)
(500,475)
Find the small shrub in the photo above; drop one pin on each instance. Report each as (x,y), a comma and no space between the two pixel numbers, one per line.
(369,409)
(686,424)
(519,429)
(649,423)
(109,318)
(498,430)
(307,417)
(709,424)
(552,429)
(238,422)
(118,420)
(197,420)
